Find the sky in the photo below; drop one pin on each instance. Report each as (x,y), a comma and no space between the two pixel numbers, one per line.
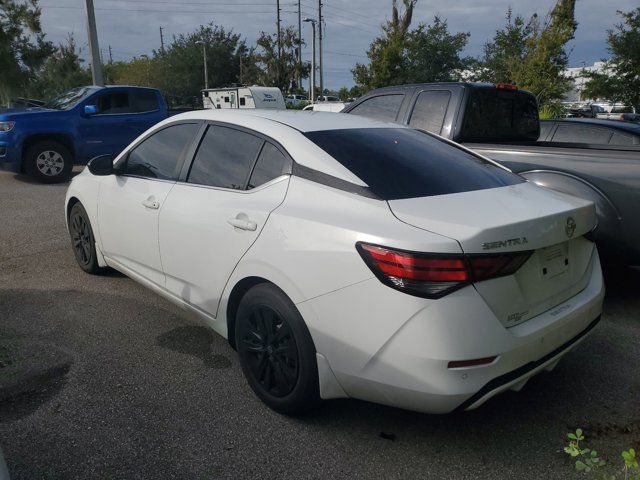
(131,27)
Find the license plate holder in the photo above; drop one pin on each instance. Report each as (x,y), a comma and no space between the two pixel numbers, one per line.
(554,260)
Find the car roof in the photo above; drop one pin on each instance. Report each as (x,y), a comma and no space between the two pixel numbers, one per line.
(303,121)
(613,124)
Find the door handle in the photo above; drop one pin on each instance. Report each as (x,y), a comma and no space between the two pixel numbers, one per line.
(150,203)
(243,224)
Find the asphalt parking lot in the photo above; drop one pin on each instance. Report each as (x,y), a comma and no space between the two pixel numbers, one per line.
(145,391)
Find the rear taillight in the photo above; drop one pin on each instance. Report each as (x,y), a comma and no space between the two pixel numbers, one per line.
(433,275)
(506,86)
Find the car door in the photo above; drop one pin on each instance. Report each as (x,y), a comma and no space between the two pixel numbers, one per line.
(109,130)
(210,220)
(129,203)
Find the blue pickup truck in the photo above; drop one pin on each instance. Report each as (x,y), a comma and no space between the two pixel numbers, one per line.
(45,142)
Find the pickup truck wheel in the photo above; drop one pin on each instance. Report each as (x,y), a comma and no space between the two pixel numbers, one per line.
(48,162)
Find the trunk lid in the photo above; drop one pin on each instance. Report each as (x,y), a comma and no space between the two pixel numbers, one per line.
(515,218)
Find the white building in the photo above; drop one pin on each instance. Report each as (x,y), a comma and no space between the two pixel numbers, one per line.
(579,80)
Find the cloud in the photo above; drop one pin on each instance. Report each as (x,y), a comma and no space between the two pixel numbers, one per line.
(131,27)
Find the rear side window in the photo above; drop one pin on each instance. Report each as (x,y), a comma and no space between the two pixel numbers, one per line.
(581,134)
(429,111)
(159,155)
(403,163)
(382,107)
(545,129)
(500,115)
(114,103)
(225,158)
(621,139)
(145,101)
(271,164)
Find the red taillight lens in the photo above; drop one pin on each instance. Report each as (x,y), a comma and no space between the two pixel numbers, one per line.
(435,275)
(506,86)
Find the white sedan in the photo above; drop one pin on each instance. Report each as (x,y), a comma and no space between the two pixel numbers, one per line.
(346,257)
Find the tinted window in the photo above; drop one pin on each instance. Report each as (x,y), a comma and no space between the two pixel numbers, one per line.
(621,139)
(428,113)
(404,163)
(145,101)
(383,107)
(114,103)
(271,164)
(581,134)
(494,115)
(225,158)
(545,129)
(158,156)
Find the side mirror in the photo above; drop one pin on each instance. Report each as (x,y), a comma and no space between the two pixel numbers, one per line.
(90,110)
(101,165)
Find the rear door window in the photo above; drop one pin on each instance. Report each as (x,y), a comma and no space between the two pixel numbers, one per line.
(225,158)
(159,155)
(271,164)
(429,110)
(574,133)
(382,107)
(400,163)
(145,101)
(113,103)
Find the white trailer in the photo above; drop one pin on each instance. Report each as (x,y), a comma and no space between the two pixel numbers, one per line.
(243,97)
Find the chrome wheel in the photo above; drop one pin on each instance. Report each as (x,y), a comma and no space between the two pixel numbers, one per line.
(50,163)
(268,345)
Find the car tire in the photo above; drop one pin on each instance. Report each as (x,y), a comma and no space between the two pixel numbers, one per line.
(83,242)
(48,162)
(276,351)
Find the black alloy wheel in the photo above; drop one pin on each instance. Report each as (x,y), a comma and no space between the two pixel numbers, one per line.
(276,351)
(268,343)
(82,240)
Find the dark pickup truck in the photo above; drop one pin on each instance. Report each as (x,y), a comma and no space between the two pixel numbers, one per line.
(501,122)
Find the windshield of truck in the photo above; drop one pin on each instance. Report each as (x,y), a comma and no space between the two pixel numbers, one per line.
(70,98)
(500,115)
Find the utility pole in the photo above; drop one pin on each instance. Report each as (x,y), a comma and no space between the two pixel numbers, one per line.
(161,41)
(94,49)
(204,56)
(312,88)
(110,55)
(320,20)
(278,29)
(299,45)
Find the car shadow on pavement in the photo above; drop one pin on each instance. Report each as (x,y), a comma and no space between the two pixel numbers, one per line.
(24,178)
(195,341)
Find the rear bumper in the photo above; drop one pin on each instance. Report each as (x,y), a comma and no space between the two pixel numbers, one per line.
(388,347)
(516,379)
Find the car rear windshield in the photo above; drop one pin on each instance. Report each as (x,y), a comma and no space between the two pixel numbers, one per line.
(500,115)
(403,163)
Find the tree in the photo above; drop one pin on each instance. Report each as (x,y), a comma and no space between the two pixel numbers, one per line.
(23,47)
(278,70)
(62,71)
(433,54)
(386,53)
(532,54)
(622,84)
(503,56)
(429,53)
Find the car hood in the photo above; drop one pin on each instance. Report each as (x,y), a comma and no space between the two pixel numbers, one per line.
(36,112)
